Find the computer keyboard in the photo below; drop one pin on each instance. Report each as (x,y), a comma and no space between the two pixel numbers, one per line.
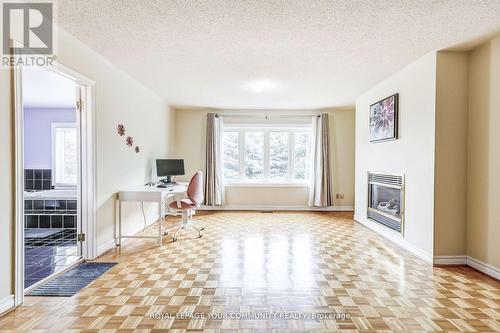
(165,185)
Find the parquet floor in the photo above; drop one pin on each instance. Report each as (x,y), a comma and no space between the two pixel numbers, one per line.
(280,272)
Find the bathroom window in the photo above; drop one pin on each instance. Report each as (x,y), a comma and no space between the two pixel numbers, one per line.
(64,154)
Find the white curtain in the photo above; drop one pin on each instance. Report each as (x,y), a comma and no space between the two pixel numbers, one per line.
(214,182)
(321,190)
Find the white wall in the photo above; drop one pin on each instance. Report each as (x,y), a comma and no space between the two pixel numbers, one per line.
(120,100)
(146,117)
(190,145)
(412,154)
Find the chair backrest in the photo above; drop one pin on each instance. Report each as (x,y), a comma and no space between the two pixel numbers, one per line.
(195,188)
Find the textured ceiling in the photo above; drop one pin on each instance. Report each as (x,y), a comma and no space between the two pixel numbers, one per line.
(309,53)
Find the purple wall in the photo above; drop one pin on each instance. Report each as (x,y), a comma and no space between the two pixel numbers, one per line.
(38,135)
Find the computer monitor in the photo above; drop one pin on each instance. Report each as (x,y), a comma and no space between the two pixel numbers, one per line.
(168,168)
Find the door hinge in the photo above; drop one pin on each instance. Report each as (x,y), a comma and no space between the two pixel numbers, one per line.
(81,237)
(79,105)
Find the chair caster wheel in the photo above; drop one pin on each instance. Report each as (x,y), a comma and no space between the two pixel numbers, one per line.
(199,236)
(202,228)
(174,239)
(165,233)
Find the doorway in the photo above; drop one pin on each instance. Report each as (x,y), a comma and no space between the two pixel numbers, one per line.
(55,174)
(52,177)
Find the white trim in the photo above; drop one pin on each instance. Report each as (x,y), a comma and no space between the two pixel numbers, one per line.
(106,246)
(232,127)
(484,267)
(450,260)
(282,208)
(7,304)
(89,165)
(395,237)
(19,185)
(112,243)
(469,261)
(238,183)
(437,260)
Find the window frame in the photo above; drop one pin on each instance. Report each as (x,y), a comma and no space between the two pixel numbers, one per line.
(290,181)
(54,127)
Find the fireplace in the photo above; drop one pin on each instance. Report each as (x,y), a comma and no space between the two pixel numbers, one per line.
(386,200)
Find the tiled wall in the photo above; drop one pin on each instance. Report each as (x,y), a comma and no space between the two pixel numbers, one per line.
(37,179)
(50,214)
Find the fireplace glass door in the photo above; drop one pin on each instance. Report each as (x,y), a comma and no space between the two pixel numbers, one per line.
(386,200)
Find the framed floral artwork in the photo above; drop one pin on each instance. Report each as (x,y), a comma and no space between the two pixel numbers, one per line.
(384,119)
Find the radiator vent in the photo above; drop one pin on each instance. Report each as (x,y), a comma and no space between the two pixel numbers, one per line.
(388,222)
(385,179)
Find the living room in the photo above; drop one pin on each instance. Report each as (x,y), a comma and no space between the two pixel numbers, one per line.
(253,166)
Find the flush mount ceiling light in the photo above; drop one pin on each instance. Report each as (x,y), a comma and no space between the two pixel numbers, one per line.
(260,86)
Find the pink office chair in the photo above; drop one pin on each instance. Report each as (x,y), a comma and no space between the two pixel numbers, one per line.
(187,206)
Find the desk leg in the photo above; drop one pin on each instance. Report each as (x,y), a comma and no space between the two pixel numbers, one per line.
(160,224)
(120,224)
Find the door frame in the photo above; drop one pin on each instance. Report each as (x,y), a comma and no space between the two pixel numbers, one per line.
(88,188)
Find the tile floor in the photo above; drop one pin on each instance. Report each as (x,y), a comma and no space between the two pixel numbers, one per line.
(47,251)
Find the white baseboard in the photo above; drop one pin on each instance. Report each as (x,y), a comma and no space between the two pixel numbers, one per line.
(111,244)
(484,267)
(105,247)
(6,304)
(450,260)
(469,261)
(282,208)
(395,237)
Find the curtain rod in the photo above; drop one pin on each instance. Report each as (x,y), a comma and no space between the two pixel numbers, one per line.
(267,116)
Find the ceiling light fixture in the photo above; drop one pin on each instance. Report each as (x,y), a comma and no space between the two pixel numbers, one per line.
(260,86)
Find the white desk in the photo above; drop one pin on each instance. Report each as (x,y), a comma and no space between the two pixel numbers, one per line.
(149,194)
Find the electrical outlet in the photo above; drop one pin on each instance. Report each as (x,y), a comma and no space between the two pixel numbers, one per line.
(339,196)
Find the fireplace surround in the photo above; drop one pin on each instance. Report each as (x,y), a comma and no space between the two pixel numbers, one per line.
(386,200)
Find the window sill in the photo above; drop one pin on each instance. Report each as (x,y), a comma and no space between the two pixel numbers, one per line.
(265,184)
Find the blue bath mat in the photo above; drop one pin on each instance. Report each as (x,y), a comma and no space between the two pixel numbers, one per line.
(73,280)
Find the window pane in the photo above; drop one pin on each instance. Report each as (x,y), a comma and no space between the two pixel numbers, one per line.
(302,155)
(231,155)
(254,155)
(278,155)
(65,151)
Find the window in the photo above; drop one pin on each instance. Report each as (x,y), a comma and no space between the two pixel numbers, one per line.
(273,155)
(231,155)
(278,155)
(302,154)
(64,154)
(254,155)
